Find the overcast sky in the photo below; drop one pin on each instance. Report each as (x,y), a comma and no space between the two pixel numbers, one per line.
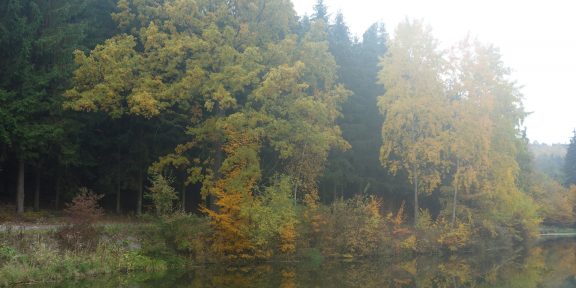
(536,39)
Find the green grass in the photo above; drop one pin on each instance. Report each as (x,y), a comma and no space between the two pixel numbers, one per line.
(36,258)
(549,229)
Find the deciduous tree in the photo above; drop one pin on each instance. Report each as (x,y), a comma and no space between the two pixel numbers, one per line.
(415,108)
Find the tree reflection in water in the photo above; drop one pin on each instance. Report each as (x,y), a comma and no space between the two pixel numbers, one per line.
(550,264)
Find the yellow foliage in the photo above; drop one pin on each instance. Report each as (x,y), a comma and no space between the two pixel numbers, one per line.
(288,278)
(455,238)
(397,221)
(410,267)
(142,103)
(409,243)
(288,239)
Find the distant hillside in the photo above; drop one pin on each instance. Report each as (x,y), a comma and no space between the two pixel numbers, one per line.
(549,159)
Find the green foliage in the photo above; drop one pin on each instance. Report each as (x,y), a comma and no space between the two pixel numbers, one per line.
(35,55)
(271,214)
(7,253)
(356,170)
(251,112)
(162,194)
(353,228)
(179,234)
(549,159)
(320,11)
(570,162)
(555,202)
(425,222)
(435,234)
(456,237)
(133,261)
(42,262)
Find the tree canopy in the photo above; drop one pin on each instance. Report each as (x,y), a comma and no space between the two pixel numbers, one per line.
(280,130)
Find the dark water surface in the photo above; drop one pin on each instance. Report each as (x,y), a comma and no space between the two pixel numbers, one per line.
(550,264)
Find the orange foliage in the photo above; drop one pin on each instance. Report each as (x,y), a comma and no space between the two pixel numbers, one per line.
(288,239)
(397,229)
(233,190)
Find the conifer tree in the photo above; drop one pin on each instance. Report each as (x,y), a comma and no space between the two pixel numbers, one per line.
(37,38)
(320,11)
(570,162)
(358,170)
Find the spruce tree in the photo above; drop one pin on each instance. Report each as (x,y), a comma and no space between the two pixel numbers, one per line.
(320,11)
(35,56)
(358,170)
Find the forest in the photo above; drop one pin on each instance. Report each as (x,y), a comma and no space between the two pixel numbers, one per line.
(249,132)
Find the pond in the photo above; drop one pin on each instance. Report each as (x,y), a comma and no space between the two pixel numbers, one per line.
(551,263)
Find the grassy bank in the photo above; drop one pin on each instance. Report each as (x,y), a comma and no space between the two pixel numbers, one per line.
(40,257)
(355,228)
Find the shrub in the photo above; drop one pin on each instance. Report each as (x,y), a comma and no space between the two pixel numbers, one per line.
(162,194)
(354,227)
(188,234)
(84,208)
(179,234)
(272,219)
(456,237)
(133,261)
(82,213)
(435,234)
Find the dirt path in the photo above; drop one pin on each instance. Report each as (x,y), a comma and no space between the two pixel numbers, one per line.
(29,227)
(23,227)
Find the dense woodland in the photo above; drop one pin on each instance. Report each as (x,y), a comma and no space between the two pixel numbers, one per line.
(269,124)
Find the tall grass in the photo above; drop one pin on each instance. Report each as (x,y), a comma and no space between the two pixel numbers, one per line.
(40,260)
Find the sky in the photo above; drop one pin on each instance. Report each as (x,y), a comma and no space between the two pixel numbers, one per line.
(537,41)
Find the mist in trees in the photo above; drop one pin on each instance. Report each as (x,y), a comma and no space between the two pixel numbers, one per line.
(261,120)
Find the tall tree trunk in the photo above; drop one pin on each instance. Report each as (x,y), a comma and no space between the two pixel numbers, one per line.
(58,187)
(415,176)
(118,197)
(365,191)
(2,183)
(20,189)
(183,196)
(335,192)
(37,191)
(143,155)
(455,193)
(218,159)
(295,193)
(118,178)
(140,192)
(454,206)
(416,208)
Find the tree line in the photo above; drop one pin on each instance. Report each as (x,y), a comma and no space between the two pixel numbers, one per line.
(248,111)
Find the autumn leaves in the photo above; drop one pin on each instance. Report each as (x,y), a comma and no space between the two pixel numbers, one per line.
(452,119)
